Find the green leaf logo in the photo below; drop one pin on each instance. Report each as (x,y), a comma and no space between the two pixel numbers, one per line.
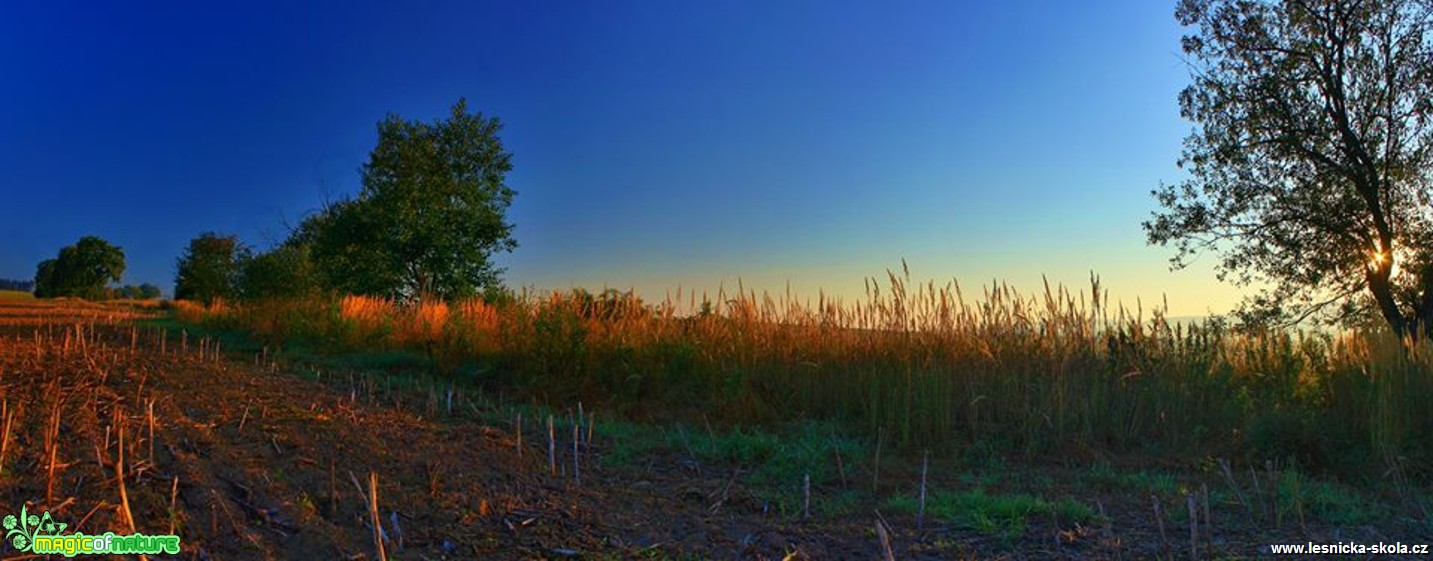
(22,530)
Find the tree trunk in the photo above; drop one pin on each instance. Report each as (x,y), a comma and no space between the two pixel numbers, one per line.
(1383,294)
(1423,313)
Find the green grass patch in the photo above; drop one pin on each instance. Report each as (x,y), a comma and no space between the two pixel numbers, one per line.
(1323,500)
(16,295)
(1004,515)
(784,456)
(181,333)
(1105,477)
(771,464)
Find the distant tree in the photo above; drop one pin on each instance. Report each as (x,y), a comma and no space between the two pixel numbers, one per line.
(282,272)
(610,305)
(1310,157)
(82,270)
(149,291)
(429,217)
(209,268)
(13,284)
(129,291)
(499,295)
(45,282)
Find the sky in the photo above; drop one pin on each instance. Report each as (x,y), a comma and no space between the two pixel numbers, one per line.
(655,144)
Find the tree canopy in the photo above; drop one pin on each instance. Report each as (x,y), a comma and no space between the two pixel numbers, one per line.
(81,270)
(209,268)
(282,272)
(149,291)
(430,215)
(1308,165)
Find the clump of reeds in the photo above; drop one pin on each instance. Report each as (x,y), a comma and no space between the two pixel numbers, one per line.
(926,366)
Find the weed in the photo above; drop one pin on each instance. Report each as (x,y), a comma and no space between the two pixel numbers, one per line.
(1008,375)
(1004,515)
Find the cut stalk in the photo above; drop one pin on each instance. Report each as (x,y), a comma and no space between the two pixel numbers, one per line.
(373,515)
(1193,527)
(920,515)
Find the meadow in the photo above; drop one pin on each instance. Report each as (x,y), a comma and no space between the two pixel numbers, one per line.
(913,367)
(915,423)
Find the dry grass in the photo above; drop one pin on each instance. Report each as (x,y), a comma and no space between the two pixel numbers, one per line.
(17,312)
(1054,373)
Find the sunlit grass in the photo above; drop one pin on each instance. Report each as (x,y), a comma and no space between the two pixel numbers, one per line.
(916,367)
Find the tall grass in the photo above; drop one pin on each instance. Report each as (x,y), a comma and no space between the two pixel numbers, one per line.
(1055,373)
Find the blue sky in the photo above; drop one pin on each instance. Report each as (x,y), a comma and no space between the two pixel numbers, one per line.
(656,144)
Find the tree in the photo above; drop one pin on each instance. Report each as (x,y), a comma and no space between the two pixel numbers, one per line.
(346,252)
(209,268)
(1309,162)
(45,283)
(282,272)
(429,216)
(149,291)
(81,270)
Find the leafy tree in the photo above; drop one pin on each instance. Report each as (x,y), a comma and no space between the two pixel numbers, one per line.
(346,251)
(144,291)
(284,271)
(209,268)
(1310,157)
(149,291)
(45,282)
(429,217)
(82,270)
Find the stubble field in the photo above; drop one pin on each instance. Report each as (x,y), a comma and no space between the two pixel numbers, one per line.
(116,419)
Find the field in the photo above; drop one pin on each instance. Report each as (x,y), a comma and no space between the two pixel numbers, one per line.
(913,425)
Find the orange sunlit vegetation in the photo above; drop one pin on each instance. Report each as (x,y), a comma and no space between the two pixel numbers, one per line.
(931,376)
(921,363)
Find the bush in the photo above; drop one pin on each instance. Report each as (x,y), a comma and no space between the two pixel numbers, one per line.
(284,272)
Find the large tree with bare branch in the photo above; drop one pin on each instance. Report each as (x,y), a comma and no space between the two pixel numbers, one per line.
(1309,162)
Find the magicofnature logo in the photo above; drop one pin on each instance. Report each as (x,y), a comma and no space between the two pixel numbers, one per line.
(43,535)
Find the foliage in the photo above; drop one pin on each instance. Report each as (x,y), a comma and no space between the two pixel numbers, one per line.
(429,217)
(609,305)
(1005,515)
(282,272)
(1310,157)
(920,368)
(209,268)
(144,291)
(342,248)
(81,270)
